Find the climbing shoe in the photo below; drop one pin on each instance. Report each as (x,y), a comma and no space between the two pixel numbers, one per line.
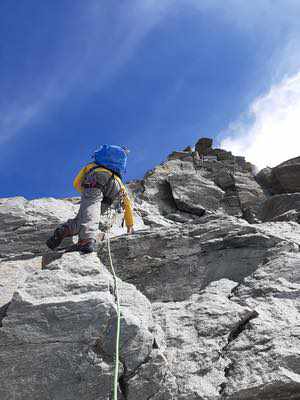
(86,246)
(59,234)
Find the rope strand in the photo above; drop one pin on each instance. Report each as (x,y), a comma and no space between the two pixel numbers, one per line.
(116,294)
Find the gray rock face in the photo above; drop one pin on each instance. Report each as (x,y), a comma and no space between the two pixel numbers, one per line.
(209,294)
(265,355)
(268,181)
(155,200)
(283,184)
(170,264)
(14,273)
(224,179)
(26,225)
(251,195)
(285,178)
(282,207)
(196,333)
(183,186)
(195,194)
(288,175)
(62,322)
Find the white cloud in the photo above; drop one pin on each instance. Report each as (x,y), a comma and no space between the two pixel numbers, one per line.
(15,118)
(100,39)
(270,133)
(248,15)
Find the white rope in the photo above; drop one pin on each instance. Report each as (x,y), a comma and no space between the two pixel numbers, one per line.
(116,294)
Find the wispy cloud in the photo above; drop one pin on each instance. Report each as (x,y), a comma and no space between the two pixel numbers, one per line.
(249,14)
(270,132)
(97,42)
(14,119)
(99,38)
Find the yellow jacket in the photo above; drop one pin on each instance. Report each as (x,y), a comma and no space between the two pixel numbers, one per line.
(125,201)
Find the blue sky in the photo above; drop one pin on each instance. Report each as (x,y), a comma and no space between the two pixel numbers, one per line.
(152,75)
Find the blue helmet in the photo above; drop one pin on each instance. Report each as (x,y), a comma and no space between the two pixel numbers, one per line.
(113,158)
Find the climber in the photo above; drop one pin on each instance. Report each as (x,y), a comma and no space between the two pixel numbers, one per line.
(100,184)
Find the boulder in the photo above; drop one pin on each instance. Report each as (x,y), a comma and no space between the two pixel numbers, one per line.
(224,179)
(284,178)
(195,194)
(251,195)
(203,146)
(157,190)
(243,195)
(57,337)
(288,175)
(281,207)
(268,181)
(155,200)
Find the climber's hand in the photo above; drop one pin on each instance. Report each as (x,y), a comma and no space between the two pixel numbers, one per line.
(130,230)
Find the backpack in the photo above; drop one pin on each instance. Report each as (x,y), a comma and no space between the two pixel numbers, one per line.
(113,158)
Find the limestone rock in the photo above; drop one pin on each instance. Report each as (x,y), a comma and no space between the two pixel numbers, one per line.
(265,355)
(181,186)
(284,178)
(250,193)
(268,181)
(287,232)
(13,274)
(281,207)
(196,332)
(27,224)
(209,294)
(57,338)
(224,179)
(157,190)
(153,380)
(243,195)
(195,194)
(288,175)
(170,264)
(155,201)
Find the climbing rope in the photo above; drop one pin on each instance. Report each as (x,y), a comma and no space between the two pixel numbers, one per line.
(116,294)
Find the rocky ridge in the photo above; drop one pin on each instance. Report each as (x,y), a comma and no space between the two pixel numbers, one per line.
(209,288)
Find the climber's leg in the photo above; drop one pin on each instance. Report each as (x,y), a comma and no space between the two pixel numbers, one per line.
(72,225)
(67,229)
(59,234)
(89,218)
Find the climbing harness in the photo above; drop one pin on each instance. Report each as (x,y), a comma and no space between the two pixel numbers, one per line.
(116,294)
